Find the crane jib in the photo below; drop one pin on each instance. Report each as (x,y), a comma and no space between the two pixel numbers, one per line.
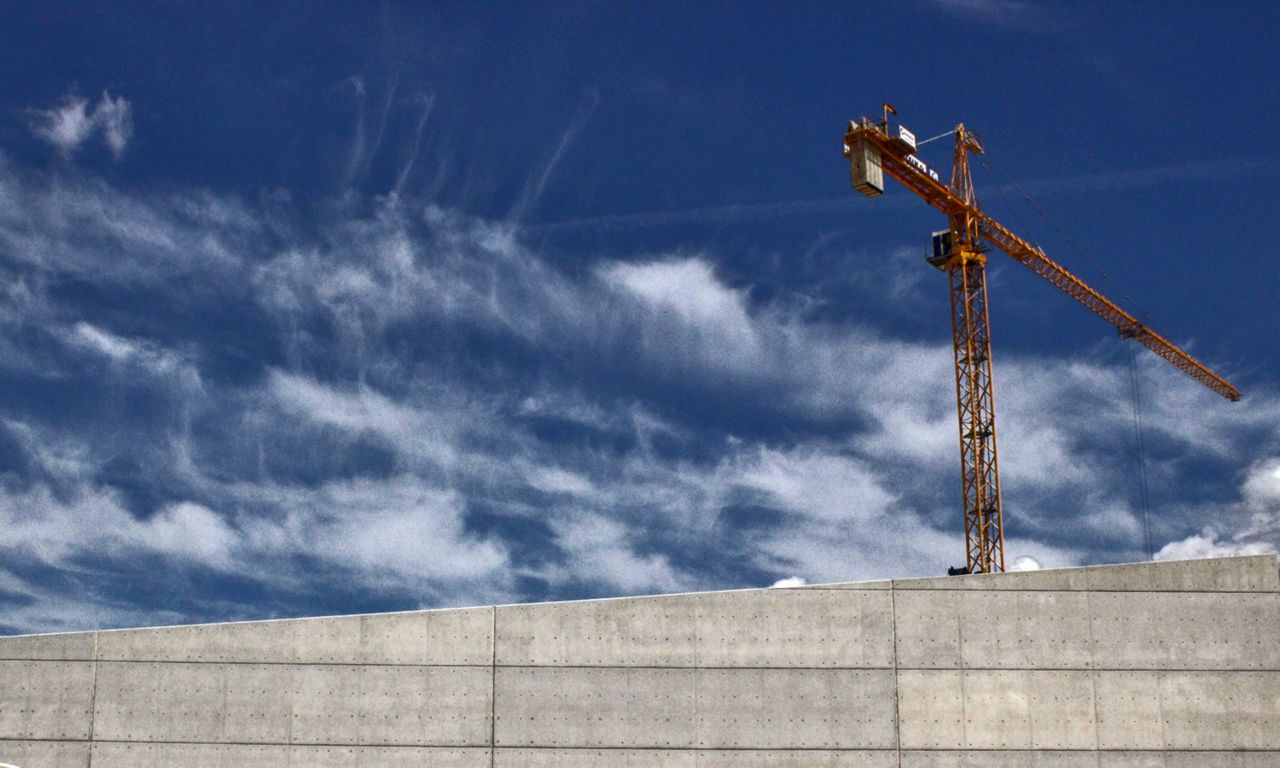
(918,178)
(1128,326)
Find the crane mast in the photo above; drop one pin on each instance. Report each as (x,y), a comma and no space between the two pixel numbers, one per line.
(960,251)
(965,262)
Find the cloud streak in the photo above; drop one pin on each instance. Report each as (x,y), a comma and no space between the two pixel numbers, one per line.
(411,406)
(68,126)
(537,181)
(1014,13)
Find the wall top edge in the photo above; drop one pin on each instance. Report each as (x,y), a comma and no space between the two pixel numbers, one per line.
(1244,573)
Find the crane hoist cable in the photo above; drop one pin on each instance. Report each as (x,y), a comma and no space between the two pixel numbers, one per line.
(989,164)
(1144,486)
(1134,389)
(1004,195)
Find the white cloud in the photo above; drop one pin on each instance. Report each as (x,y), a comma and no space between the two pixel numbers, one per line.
(401,529)
(599,551)
(419,434)
(58,458)
(627,503)
(65,127)
(1025,563)
(68,126)
(1261,489)
(44,608)
(1207,544)
(56,528)
(689,290)
(142,354)
(818,484)
(81,227)
(560,481)
(114,117)
(1255,521)
(358,410)
(789,583)
(190,531)
(104,343)
(397,533)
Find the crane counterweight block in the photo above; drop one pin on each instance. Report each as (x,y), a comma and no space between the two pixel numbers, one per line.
(865,171)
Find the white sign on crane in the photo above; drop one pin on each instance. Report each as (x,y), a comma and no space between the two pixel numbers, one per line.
(907,136)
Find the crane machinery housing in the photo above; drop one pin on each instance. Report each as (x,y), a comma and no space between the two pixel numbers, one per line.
(960,251)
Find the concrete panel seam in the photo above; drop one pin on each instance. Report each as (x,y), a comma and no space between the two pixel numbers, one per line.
(1152,670)
(493,687)
(235,663)
(593,748)
(899,668)
(897,697)
(890,668)
(1164,734)
(1005,750)
(1094,589)
(1093,678)
(820,588)
(93,697)
(309,744)
(87,657)
(720,667)
(624,748)
(964,694)
(289,735)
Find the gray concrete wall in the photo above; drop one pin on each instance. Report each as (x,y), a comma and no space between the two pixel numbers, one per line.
(1137,666)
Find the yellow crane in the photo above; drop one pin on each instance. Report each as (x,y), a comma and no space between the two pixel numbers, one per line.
(875,152)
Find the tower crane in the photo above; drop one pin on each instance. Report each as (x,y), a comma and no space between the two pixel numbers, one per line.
(960,250)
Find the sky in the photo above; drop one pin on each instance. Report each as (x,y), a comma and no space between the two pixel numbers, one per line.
(338,307)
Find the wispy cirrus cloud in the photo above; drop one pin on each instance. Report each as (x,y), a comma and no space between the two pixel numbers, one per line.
(406,405)
(1016,13)
(69,125)
(537,181)
(139,354)
(1204,171)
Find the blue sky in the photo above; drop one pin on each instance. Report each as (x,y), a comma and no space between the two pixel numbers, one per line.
(340,308)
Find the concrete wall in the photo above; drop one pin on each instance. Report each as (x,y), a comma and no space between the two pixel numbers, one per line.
(1138,666)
